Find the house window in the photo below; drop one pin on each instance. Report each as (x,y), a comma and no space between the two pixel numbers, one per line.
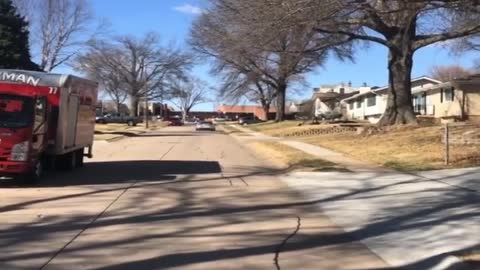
(342,90)
(447,94)
(350,105)
(371,101)
(359,104)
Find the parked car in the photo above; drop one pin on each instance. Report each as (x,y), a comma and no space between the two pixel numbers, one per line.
(220,119)
(246,121)
(118,119)
(329,116)
(175,122)
(205,125)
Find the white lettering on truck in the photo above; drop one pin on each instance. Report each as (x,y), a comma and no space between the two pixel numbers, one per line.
(8,77)
(13,77)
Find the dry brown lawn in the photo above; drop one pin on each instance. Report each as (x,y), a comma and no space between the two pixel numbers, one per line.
(115,131)
(228,129)
(275,129)
(406,148)
(290,158)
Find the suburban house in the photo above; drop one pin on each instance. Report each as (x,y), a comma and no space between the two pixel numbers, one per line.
(329,103)
(370,102)
(457,99)
(340,88)
(325,101)
(235,111)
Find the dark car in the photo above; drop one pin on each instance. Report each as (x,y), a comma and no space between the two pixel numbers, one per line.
(246,121)
(205,125)
(118,119)
(175,122)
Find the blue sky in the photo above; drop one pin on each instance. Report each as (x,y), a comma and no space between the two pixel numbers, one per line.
(172,19)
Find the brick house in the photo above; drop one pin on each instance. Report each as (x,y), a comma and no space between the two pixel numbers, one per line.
(235,111)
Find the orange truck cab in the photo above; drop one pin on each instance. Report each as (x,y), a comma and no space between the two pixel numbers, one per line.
(46,121)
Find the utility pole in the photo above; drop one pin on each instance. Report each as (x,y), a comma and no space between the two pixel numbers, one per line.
(145,112)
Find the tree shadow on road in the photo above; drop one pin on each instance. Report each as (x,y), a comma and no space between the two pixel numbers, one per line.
(111,172)
(191,207)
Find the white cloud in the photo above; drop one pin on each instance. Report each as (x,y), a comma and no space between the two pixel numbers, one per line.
(190,9)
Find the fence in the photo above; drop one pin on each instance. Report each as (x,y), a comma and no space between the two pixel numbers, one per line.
(461,143)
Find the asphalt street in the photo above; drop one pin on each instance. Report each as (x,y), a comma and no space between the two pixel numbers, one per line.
(171,199)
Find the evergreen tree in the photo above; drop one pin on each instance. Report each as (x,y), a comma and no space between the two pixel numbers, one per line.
(14,45)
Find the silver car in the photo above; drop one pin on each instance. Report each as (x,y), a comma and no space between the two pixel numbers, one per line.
(205,125)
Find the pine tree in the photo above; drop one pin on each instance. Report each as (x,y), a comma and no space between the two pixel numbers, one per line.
(14,45)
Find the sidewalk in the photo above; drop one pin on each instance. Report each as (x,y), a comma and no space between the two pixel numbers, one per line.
(416,221)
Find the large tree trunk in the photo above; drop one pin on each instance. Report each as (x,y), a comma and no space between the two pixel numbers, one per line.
(134,106)
(266,109)
(185,113)
(399,108)
(281,95)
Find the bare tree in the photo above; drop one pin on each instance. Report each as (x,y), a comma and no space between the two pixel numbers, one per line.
(476,66)
(97,66)
(144,68)
(59,28)
(449,72)
(402,26)
(237,86)
(187,94)
(224,32)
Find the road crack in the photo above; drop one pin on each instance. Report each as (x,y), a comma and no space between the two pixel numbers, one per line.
(96,218)
(243,180)
(284,243)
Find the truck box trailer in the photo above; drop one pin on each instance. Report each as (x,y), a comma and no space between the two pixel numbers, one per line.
(46,120)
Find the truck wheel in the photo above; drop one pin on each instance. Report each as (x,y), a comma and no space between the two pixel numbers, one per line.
(80,158)
(68,161)
(33,176)
(130,123)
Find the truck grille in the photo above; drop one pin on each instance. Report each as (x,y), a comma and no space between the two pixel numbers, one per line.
(5,153)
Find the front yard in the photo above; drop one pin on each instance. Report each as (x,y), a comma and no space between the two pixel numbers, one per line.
(290,158)
(275,128)
(404,148)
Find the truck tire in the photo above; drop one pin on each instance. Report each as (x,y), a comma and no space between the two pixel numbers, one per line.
(33,176)
(68,161)
(130,123)
(80,158)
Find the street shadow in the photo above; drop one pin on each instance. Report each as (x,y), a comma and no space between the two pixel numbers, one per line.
(111,172)
(192,215)
(146,135)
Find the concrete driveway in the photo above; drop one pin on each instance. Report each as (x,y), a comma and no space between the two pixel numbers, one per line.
(411,221)
(171,199)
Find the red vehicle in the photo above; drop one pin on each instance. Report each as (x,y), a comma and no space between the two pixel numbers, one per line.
(45,120)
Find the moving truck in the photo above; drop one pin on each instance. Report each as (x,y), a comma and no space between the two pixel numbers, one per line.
(46,121)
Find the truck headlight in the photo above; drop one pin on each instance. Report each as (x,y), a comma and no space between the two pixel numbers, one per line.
(20,151)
